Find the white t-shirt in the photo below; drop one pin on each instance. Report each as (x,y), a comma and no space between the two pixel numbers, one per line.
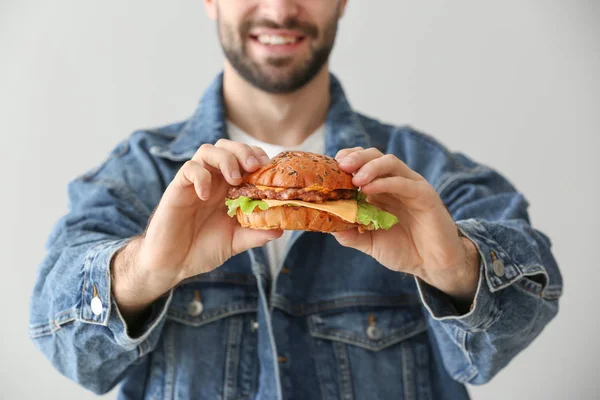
(315,143)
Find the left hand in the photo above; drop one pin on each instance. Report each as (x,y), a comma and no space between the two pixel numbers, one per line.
(425,242)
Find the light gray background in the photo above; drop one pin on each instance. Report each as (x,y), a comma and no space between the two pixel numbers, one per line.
(515,84)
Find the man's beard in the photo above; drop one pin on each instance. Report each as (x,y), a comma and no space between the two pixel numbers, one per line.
(235,50)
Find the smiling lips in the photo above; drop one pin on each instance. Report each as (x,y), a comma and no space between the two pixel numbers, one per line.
(277,38)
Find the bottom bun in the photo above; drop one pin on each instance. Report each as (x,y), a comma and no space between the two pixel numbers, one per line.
(294,218)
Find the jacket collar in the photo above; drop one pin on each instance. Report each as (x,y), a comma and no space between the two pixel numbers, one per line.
(207,125)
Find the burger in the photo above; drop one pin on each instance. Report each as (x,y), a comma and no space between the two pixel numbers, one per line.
(303,191)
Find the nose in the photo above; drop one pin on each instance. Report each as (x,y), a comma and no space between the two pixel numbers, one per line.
(279,10)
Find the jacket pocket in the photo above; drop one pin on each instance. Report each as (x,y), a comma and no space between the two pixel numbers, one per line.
(376,353)
(209,346)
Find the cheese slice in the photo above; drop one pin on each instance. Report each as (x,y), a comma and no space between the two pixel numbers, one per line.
(345,209)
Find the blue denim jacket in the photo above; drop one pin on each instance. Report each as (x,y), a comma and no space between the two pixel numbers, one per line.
(332,324)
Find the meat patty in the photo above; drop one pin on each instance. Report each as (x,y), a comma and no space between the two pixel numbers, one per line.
(312,196)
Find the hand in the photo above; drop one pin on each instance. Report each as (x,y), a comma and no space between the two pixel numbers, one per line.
(425,242)
(190,232)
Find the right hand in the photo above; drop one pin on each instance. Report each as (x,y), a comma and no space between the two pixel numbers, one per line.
(190,232)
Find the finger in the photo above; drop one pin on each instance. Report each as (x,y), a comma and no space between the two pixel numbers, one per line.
(344,152)
(353,161)
(195,174)
(396,185)
(261,155)
(380,200)
(221,159)
(245,155)
(353,238)
(245,238)
(385,165)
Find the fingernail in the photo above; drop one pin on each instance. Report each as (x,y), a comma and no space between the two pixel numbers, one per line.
(360,175)
(252,161)
(236,175)
(265,160)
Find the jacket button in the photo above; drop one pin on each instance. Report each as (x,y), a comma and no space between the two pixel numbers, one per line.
(96,305)
(195,308)
(281,359)
(374,333)
(498,267)
(285,270)
(254,326)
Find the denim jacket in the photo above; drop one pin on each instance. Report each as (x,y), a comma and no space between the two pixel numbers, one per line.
(331,324)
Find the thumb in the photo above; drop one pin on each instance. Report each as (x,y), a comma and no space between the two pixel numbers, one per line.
(246,238)
(353,238)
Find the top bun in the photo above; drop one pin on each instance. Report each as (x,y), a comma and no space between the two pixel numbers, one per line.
(299,169)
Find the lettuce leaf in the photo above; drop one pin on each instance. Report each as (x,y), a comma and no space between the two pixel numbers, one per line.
(245,203)
(369,214)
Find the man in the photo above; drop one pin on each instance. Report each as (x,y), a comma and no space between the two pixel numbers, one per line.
(148,283)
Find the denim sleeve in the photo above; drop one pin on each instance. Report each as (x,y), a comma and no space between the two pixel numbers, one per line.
(519,286)
(74,319)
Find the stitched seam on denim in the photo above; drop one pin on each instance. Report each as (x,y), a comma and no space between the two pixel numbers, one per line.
(532,271)
(54,325)
(199,322)
(552,292)
(248,379)
(171,156)
(469,371)
(487,322)
(51,322)
(124,191)
(302,310)
(108,295)
(408,371)
(472,375)
(271,340)
(210,313)
(320,368)
(447,179)
(465,338)
(91,256)
(529,286)
(467,375)
(344,378)
(232,358)
(395,337)
(161,134)
(169,387)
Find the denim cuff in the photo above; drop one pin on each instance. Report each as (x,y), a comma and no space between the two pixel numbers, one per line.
(496,271)
(98,305)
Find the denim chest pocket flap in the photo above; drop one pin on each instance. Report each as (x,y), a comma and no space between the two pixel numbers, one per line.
(373,329)
(200,303)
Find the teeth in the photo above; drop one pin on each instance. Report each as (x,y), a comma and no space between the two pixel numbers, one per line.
(276,40)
